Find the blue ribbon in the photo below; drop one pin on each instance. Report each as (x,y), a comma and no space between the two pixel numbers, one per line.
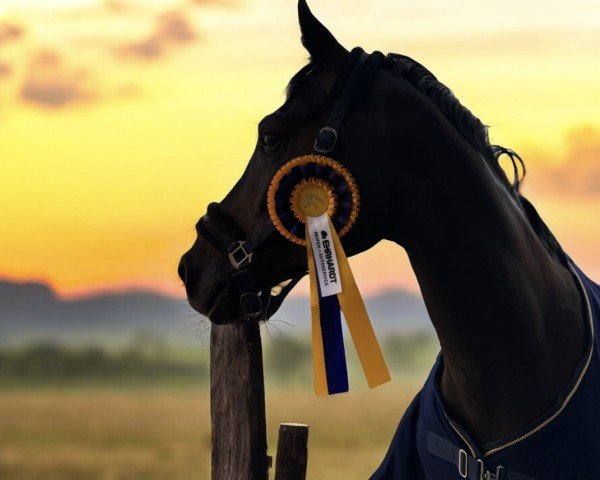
(333,343)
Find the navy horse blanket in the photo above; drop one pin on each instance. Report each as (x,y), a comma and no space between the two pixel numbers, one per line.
(563,444)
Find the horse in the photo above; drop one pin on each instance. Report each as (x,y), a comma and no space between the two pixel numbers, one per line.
(511,395)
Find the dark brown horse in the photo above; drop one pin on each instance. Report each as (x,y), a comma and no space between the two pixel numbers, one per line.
(507,310)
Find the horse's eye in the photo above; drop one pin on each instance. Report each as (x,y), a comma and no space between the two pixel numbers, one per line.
(269,142)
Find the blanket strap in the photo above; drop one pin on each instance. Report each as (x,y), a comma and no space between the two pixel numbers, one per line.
(467,466)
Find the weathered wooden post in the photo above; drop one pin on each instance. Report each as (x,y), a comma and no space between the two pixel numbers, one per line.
(292,452)
(237,403)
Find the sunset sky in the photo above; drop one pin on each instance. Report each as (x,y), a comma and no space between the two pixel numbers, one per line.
(121,119)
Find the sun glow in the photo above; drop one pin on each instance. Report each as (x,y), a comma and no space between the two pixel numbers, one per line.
(122,119)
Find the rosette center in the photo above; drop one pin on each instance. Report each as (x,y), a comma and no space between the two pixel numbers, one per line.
(313,200)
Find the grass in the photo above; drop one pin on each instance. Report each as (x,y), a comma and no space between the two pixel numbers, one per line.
(108,434)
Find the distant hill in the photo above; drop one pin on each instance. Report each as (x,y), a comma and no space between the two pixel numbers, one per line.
(391,311)
(33,312)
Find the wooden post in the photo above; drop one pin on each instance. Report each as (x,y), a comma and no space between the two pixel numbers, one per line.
(292,452)
(237,403)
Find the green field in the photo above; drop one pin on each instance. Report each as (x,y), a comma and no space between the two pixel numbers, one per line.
(142,412)
(158,433)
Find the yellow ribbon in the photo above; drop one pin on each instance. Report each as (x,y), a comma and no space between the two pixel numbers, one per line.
(357,319)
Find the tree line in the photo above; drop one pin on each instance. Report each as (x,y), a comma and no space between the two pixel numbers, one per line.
(148,359)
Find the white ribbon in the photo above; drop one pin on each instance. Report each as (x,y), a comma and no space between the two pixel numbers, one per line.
(327,269)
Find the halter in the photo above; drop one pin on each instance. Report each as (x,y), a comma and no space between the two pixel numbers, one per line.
(223,233)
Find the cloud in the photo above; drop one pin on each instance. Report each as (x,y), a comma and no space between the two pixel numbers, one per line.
(172,28)
(578,172)
(116,6)
(10,32)
(6,70)
(50,83)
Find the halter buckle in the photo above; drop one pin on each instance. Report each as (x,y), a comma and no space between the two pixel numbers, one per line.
(238,255)
(326,140)
(251,305)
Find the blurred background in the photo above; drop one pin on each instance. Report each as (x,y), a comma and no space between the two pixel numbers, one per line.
(121,119)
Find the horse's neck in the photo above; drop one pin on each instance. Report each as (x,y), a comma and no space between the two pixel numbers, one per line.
(508,315)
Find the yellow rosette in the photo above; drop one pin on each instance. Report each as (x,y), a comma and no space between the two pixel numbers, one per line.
(313,201)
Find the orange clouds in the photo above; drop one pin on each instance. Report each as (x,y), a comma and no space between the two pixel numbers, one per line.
(116,6)
(578,171)
(5,69)
(112,192)
(10,32)
(49,82)
(172,28)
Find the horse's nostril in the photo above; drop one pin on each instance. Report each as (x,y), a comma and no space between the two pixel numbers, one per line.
(181,271)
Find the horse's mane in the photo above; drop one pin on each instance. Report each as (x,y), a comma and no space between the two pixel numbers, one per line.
(476,134)
(472,129)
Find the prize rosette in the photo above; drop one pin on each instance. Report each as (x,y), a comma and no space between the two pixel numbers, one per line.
(313,201)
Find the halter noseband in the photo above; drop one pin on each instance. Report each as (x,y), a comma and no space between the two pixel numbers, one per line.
(223,233)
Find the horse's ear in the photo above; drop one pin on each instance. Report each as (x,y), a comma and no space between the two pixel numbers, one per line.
(320,43)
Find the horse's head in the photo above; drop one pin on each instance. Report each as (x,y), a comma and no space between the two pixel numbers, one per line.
(207,269)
